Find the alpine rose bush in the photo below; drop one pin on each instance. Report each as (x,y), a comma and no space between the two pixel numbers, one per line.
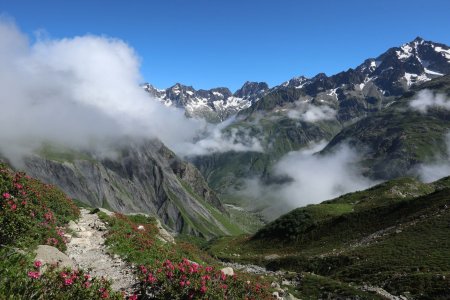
(188,280)
(55,283)
(31,212)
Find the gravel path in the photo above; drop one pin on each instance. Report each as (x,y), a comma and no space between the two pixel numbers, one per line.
(87,248)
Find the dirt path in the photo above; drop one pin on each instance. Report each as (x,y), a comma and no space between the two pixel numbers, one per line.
(87,248)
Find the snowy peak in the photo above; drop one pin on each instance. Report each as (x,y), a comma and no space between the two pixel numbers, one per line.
(391,73)
(296,82)
(214,105)
(251,90)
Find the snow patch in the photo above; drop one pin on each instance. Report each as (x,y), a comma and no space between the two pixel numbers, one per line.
(445,52)
(433,72)
(405,52)
(414,78)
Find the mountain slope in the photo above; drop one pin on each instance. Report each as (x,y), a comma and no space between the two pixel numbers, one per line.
(399,137)
(392,236)
(140,177)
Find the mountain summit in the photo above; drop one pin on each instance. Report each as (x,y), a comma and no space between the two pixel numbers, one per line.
(215,105)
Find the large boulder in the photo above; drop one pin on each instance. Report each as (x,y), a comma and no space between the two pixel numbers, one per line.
(49,255)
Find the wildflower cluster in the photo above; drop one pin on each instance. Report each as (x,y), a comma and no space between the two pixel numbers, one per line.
(65,284)
(32,212)
(189,280)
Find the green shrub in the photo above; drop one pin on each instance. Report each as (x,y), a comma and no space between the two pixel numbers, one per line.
(31,212)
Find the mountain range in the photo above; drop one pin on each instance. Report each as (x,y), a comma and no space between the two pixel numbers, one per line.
(367,88)
(301,111)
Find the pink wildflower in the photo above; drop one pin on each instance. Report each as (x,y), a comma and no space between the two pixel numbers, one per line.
(37,263)
(203,289)
(34,274)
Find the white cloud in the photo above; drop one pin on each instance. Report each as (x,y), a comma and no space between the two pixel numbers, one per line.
(311,113)
(84,90)
(427,99)
(313,179)
(215,139)
(438,168)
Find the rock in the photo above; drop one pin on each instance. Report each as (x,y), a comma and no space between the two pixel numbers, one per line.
(286,282)
(227,271)
(51,255)
(275,285)
(140,227)
(163,234)
(73,226)
(276,295)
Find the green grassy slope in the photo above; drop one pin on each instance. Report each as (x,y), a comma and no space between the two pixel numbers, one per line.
(394,235)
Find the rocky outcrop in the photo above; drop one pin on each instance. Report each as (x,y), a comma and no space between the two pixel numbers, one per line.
(138,177)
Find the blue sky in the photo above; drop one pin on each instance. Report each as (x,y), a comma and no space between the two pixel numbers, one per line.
(209,43)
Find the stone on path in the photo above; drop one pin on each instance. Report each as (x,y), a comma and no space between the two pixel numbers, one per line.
(227,271)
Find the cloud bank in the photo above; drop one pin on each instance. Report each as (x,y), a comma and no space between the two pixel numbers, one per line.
(426,99)
(81,91)
(313,179)
(216,139)
(438,168)
(312,113)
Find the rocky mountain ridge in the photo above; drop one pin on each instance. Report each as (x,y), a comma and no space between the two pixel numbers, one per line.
(214,105)
(354,93)
(369,87)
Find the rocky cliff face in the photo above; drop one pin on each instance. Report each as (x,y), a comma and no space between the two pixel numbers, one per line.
(140,177)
